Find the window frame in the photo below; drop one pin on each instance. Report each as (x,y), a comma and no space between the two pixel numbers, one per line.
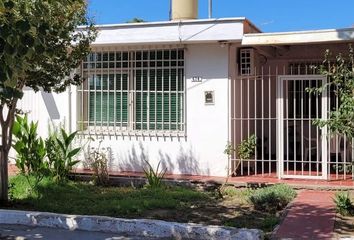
(176,124)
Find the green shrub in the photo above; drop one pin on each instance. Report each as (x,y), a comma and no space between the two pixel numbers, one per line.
(154,177)
(61,154)
(273,198)
(30,149)
(247,147)
(53,153)
(98,162)
(344,205)
(232,191)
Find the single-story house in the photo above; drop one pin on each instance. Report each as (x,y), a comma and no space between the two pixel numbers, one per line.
(177,92)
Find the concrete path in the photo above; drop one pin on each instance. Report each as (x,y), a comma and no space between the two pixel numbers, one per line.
(18,232)
(311,216)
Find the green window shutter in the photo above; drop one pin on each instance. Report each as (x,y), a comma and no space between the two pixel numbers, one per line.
(109,107)
(158,88)
(102,109)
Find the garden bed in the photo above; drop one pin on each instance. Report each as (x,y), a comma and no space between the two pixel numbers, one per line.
(230,207)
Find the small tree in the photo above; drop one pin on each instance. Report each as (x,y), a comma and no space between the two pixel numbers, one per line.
(40,45)
(340,74)
(136,20)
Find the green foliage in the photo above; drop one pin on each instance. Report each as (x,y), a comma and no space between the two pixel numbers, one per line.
(98,162)
(61,154)
(154,177)
(229,149)
(52,147)
(247,147)
(273,198)
(340,75)
(136,20)
(34,47)
(30,150)
(84,198)
(232,191)
(344,205)
(269,223)
(40,46)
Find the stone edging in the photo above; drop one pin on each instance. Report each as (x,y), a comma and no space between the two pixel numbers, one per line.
(127,227)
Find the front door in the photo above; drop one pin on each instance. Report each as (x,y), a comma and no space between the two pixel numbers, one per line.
(301,145)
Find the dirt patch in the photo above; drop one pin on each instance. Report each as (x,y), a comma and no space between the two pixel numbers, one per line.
(344,226)
(233,211)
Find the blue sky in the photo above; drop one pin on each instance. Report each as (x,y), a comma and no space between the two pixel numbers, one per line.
(270,15)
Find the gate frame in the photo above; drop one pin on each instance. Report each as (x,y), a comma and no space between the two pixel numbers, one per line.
(280,126)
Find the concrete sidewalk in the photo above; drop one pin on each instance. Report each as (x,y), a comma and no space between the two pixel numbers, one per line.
(311,216)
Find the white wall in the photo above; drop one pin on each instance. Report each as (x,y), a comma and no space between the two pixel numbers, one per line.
(200,152)
(45,108)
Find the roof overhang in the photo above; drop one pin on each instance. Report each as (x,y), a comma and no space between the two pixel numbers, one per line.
(172,32)
(300,37)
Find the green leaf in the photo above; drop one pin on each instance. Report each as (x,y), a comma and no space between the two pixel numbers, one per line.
(23,25)
(27,40)
(61,145)
(10,50)
(73,152)
(9,4)
(16,128)
(73,163)
(70,138)
(18,146)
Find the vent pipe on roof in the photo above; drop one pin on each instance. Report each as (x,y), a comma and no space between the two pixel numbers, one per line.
(210,15)
(184,9)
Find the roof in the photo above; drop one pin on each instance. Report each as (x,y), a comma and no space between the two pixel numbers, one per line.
(299,37)
(173,32)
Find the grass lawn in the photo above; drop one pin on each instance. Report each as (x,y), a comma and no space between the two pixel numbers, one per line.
(169,203)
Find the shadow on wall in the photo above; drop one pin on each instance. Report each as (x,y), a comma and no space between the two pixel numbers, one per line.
(134,161)
(185,162)
(51,106)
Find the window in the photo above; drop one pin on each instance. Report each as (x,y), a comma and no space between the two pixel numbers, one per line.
(246,61)
(133,90)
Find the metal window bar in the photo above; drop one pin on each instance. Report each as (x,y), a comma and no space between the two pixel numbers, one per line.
(270,116)
(108,95)
(95,98)
(255,118)
(102,68)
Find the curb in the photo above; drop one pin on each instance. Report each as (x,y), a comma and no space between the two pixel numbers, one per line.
(127,227)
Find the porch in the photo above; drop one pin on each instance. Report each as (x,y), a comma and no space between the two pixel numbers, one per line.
(270,99)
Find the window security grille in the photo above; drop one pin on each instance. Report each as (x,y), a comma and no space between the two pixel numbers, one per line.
(304,67)
(246,61)
(131,90)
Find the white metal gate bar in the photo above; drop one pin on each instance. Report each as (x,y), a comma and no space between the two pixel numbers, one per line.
(253,111)
(295,162)
(117,99)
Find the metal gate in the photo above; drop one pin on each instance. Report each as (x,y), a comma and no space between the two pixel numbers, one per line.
(302,146)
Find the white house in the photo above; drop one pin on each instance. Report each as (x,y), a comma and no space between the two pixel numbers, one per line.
(177,92)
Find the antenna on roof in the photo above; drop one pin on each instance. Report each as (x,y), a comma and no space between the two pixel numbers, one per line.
(210,9)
